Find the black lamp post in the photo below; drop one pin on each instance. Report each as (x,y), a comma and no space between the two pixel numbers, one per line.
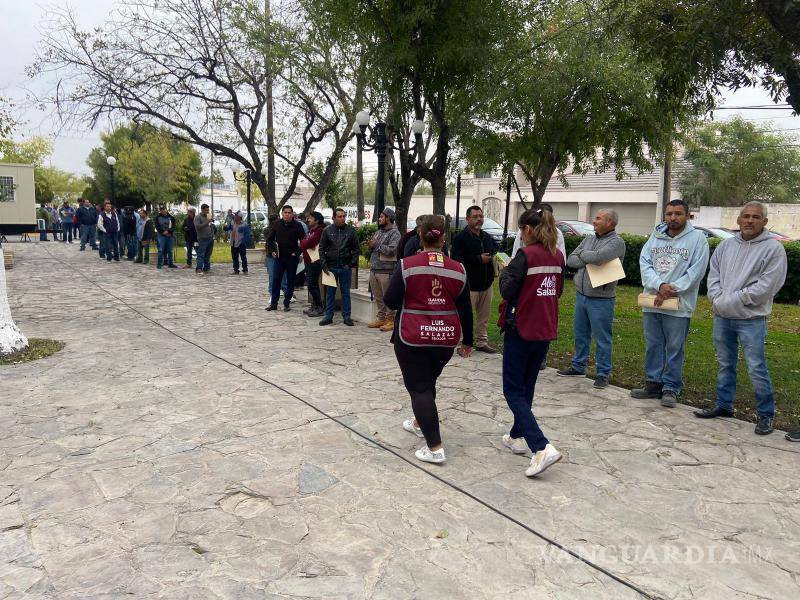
(111,161)
(380,143)
(247,177)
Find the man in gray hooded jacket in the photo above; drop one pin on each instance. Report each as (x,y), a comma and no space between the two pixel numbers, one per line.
(746,272)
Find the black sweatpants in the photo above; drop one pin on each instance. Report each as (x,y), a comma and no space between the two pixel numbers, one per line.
(421,368)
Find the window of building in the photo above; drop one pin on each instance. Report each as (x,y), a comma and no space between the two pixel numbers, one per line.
(6,189)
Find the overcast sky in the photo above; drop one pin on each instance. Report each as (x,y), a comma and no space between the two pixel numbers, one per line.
(19,32)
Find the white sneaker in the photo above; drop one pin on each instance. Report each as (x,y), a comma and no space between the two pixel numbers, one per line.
(516,445)
(292,300)
(542,460)
(424,454)
(408,425)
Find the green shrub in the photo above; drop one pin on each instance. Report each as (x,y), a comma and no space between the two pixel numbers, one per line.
(790,293)
(364,233)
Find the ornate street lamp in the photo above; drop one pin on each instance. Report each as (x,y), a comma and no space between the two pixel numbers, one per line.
(111,161)
(380,143)
(247,176)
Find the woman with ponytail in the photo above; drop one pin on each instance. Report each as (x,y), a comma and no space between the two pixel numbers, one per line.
(530,285)
(430,293)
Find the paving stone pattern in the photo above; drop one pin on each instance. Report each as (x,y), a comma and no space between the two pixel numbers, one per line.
(134,464)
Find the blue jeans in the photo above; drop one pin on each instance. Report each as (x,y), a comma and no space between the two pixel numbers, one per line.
(204,248)
(270,271)
(521,362)
(88,234)
(110,247)
(165,249)
(102,238)
(593,318)
(66,231)
(751,333)
(344,276)
(665,340)
(288,267)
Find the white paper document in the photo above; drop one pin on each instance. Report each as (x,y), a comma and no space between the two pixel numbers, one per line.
(605,273)
(328,279)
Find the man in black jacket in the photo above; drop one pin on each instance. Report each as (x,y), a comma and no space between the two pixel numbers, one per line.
(189,234)
(284,245)
(475,249)
(338,254)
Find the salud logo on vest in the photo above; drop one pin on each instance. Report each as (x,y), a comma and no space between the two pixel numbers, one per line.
(547,287)
(436,292)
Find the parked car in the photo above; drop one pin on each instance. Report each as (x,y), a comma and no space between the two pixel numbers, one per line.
(575,228)
(781,237)
(716,232)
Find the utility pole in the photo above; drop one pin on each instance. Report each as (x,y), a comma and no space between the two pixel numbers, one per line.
(270,122)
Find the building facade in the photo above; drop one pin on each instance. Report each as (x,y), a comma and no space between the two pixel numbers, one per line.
(17,199)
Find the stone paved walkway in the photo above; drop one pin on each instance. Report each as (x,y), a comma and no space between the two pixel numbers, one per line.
(134,464)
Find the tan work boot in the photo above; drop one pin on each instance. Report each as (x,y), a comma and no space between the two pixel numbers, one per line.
(388,325)
(377,323)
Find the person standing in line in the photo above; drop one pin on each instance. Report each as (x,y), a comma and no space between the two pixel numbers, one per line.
(129,231)
(55,220)
(240,239)
(747,271)
(189,234)
(272,219)
(338,254)
(531,286)
(43,214)
(382,260)
(284,245)
(121,232)
(316,225)
(475,249)
(165,226)
(66,213)
(673,262)
(87,219)
(144,235)
(430,293)
(108,223)
(594,306)
(203,224)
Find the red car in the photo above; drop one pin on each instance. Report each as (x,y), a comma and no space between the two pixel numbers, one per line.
(575,228)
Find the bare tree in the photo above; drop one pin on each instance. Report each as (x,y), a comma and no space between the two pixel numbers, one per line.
(198,67)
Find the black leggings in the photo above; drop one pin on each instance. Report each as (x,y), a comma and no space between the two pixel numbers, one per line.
(421,368)
(313,271)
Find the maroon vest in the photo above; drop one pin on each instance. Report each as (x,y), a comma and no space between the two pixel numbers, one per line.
(429,317)
(536,313)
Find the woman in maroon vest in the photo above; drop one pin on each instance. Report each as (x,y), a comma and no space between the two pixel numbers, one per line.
(530,285)
(430,293)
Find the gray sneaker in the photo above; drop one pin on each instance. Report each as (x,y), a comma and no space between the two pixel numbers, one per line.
(669,399)
(601,381)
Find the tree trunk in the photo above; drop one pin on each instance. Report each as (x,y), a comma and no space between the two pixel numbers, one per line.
(11,338)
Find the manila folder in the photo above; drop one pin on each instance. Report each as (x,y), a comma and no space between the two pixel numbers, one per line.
(313,254)
(605,273)
(328,279)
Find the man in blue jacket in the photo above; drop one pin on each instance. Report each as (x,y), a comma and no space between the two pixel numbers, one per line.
(673,262)
(87,220)
(746,272)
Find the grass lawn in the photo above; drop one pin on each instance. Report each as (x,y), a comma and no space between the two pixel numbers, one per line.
(37,348)
(700,371)
(220,254)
